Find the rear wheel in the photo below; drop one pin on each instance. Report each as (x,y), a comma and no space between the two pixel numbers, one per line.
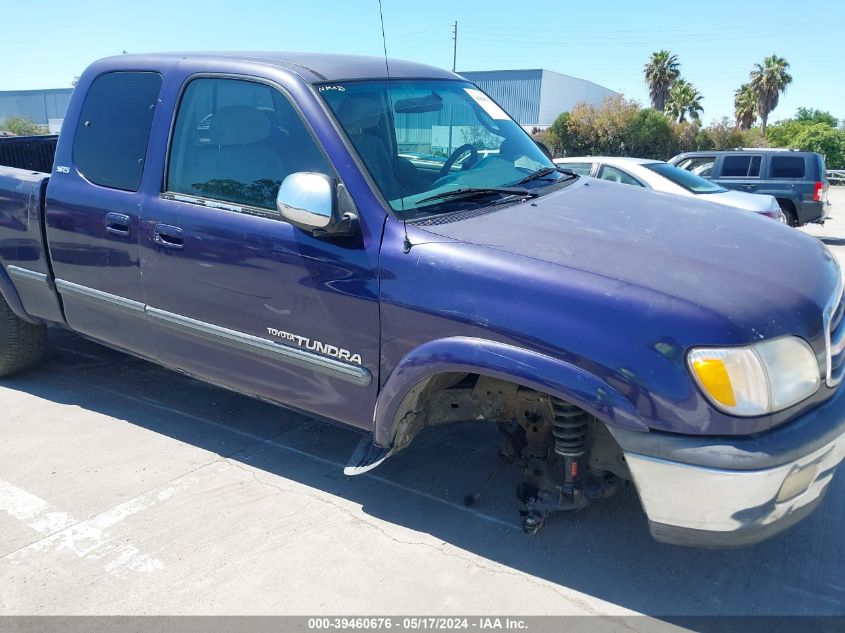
(21,343)
(789,211)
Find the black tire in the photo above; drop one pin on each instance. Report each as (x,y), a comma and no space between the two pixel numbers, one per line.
(789,211)
(21,343)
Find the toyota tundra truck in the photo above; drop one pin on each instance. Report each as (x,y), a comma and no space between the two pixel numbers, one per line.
(264,222)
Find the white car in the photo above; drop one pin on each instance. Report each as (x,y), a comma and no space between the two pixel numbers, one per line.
(661,176)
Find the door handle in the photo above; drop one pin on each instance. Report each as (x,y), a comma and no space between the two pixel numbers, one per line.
(168,236)
(117,224)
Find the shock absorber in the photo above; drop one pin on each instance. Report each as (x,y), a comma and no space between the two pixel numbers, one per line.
(569,428)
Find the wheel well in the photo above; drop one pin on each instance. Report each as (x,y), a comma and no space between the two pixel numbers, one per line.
(789,210)
(786,203)
(463,397)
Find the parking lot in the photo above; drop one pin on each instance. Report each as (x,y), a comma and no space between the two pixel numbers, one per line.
(128,489)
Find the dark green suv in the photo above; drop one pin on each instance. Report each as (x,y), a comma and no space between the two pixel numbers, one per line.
(795,178)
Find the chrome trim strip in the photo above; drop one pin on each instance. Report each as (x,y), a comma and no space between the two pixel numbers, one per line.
(68,287)
(246,342)
(831,346)
(28,275)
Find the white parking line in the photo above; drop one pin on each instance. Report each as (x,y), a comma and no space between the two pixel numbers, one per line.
(86,539)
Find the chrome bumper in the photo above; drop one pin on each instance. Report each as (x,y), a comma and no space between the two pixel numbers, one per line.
(710,507)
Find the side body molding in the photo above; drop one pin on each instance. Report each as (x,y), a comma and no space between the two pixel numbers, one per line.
(507,362)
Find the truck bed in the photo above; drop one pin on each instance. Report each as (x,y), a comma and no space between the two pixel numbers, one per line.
(33,153)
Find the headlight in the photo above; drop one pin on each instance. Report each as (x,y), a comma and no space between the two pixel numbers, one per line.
(758,379)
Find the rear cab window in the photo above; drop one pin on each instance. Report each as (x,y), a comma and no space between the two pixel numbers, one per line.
(792,167)
(741,166)
(110,145)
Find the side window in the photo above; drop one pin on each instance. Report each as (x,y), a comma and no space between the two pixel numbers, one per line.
(110,145)
(617,175)
(582,169)
(787,167)
(699,165)
(236,141)
(741,167)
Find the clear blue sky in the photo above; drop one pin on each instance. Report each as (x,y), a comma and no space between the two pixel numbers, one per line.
(44,45)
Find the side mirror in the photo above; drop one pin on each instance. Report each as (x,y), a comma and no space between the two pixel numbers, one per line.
(317,203)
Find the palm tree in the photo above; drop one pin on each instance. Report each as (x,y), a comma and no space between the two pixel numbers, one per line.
(684,100)
(745,107)
(661,71)
(768,81)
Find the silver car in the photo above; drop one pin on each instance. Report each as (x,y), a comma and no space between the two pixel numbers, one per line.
(661,176)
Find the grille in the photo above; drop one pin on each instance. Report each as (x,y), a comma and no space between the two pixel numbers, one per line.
(835,328)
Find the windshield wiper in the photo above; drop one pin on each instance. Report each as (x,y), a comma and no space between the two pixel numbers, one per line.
(546,171)
(479,192)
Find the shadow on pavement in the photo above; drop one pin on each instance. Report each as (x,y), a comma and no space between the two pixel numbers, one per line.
(604,551)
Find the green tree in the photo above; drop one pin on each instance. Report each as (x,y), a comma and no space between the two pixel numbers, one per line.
(811,115)
(723,134)
(602,129)
(824,139)
(557,137)
(684,100)
(769,80)
(745,107)
(661,71)
(784,133)
(651,135)
(23,126)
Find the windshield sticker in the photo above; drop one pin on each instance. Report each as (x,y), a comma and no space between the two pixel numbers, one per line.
(487,104)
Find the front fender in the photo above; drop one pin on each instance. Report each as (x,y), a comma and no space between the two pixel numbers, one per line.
(462,354)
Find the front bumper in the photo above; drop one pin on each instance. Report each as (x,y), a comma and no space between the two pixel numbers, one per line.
(718,492)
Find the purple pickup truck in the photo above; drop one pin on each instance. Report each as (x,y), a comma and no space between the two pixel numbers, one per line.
(264,222)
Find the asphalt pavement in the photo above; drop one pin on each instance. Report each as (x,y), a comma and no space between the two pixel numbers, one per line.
(129,489)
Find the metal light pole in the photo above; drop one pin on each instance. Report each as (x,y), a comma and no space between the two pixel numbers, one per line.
(454,44)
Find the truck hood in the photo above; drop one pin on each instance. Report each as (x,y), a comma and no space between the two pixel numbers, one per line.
(741,200)
(762,277)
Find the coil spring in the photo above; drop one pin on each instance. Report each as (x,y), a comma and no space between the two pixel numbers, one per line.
(507,452)
(569,428)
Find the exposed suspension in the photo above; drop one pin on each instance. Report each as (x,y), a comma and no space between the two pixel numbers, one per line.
(569,428)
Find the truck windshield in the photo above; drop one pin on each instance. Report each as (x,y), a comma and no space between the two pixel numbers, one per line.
(683,178)
(422,138)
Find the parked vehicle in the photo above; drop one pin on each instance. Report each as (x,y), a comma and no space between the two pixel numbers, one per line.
(796,179)
(246,219)
(661,176)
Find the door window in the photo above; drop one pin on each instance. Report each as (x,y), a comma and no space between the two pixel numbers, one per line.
(236,141)
(110,145)
(741,167)
(699,165)
(582,169)
(617,175)
(787,167)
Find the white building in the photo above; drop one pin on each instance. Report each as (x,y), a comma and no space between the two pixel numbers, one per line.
(535,98)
